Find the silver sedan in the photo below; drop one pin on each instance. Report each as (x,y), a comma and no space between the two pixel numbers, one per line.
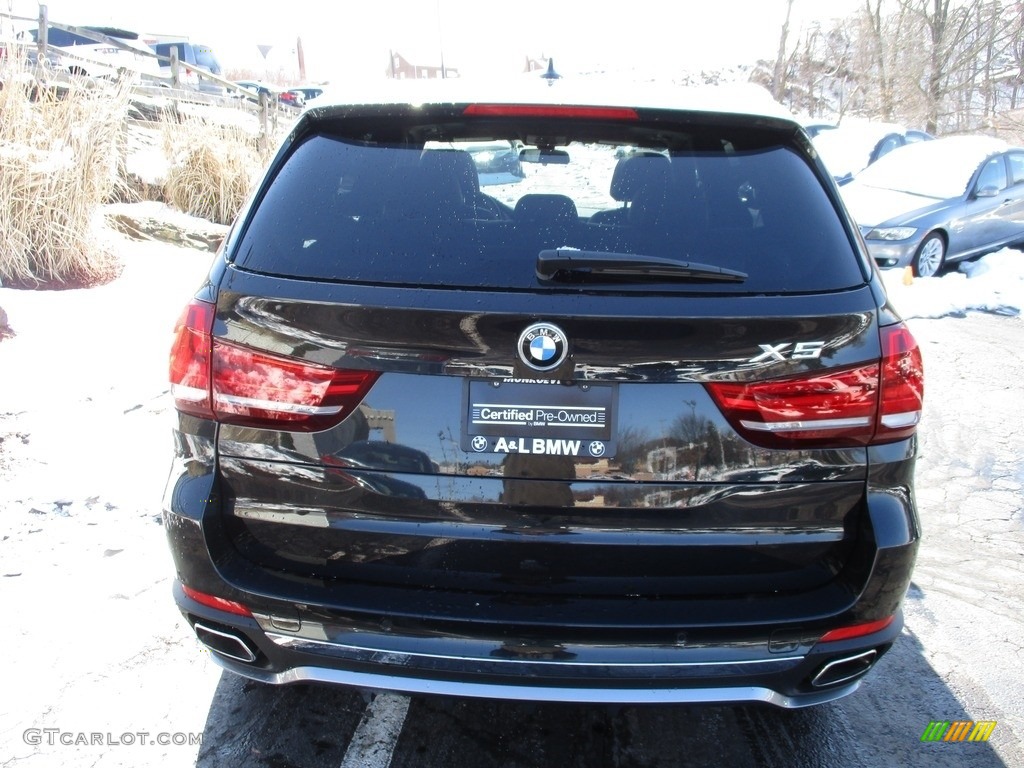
(940,201)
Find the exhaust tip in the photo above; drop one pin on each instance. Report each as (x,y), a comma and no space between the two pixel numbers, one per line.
(845,669)
(226,643)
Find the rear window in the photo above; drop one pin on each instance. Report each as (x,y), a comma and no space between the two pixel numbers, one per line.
(63,39)
(475,210)
(164,49)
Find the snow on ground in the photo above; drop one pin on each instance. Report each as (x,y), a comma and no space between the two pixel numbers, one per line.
(994,283)
(82,362)
(85,426)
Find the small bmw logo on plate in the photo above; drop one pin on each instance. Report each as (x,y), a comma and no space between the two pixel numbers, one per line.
(543,346)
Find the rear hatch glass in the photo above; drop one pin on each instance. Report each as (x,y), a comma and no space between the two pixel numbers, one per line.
(475,205)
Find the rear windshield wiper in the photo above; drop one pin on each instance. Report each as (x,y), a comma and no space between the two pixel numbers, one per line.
(568,265)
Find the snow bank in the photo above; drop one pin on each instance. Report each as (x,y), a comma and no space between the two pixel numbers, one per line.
(994,283)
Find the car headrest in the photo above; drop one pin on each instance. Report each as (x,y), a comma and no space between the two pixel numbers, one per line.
(453,163)
(545,209)
(632,174)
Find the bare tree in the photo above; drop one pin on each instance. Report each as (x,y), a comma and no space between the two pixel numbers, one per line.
(877,44)
(1015,52)
(945,65)
(963,41)
(828,66)
(779,77)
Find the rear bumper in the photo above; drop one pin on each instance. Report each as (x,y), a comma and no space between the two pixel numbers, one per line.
(740,668)
(520,692)
(624,651)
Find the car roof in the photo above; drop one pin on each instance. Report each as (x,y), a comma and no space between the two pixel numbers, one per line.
(934,159)
(738,99)
(964,149)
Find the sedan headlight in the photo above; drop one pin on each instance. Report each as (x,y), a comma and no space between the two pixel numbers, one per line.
(891,233)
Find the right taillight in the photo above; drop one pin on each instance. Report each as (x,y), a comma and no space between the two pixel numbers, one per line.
(234,384)
(902,391)
(869,404)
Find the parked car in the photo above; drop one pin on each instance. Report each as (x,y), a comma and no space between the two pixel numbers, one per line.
(814,128)
(663,454)
(273,93)
(192,58)
(292,97)
(21,50)
(309,92)
(497,162)
(87,57)
(257,89)
(849,148)
(940,202)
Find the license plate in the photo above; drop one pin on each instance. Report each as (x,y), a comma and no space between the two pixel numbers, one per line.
(539,418)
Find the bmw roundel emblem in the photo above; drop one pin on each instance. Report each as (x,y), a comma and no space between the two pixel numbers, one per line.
(543,346)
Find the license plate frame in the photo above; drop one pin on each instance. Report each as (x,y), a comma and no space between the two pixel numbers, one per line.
(539,418)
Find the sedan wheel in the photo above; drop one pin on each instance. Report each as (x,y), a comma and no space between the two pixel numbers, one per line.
(930,255)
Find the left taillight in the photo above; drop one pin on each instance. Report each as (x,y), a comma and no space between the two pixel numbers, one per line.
(190,359)
(233,384)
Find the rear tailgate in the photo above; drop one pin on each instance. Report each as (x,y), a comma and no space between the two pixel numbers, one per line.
(666,499)
(553,390)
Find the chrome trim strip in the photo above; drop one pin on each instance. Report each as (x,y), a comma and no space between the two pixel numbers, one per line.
(296,643)
(184,392)
(289,515)
(344,520)
(274,405)
(806,426)
(538,693)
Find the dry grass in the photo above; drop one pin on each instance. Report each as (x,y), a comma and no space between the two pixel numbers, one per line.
(60,155)
(212,168)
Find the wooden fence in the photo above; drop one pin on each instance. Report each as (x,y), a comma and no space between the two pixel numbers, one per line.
(269,111)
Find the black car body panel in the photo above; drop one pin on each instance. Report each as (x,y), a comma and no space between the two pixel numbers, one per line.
(487,517)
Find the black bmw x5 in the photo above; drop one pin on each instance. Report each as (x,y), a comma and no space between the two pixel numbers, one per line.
(634,428)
